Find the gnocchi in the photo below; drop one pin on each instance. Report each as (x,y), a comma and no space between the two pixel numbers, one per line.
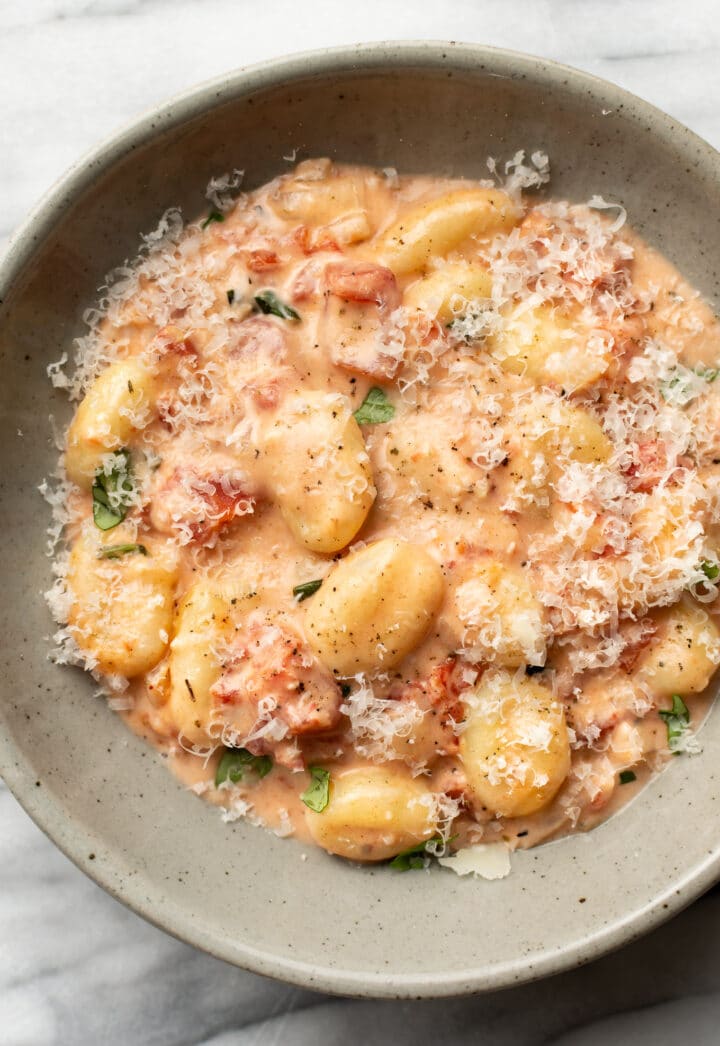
(320,471)
(442,294)
(561,431)
(203,623)
(117,404)
(515,747)
(121,601)
(319,200)
(374,813)
(683,656)
(375,607)
(549,349)
(498,616)
(433,229)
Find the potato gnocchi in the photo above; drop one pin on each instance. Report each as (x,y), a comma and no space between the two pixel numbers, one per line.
(391,509)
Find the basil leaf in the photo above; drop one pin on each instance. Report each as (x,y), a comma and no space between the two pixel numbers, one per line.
(308,588)
(680,387)
(109,511)
(269,303)
(317,794)
(214,216)
(230,296)
(105,518)
(677,721)
(234,763)
(627,777)
(710,569)
(115,551)
(415,857)
(709,374)
(375,409)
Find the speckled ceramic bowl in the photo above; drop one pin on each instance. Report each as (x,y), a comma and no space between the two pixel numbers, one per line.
(103,796)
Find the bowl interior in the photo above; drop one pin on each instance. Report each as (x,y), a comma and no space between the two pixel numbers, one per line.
(104,796)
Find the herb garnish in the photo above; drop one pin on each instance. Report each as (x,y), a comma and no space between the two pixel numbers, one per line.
(234,763)
(710,569)
(627,777)
(112,494)
(230,296)
(115,551)
(317,794)
(375,409)
(677,720)
(416,857)
(308,588)
(214,216)
(680,387)
(269,303)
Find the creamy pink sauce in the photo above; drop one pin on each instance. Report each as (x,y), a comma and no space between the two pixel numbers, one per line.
(448,468)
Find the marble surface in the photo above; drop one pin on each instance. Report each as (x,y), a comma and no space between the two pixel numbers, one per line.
(75,966)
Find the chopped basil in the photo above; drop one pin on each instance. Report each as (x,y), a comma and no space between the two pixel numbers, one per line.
(214,216)
(308,588)
(112,494)
(345,689)
(230,296)
(234,763)
(416,857)
(375,409)
(317,794)
(681,386)
(269,303)
(677,721)
(710,569)
(627,777)
(675,385)
(115,551)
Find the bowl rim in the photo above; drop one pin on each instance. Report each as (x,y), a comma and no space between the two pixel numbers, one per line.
(71,837)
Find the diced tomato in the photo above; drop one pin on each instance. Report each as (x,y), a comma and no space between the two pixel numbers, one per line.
(198,506)
(637,636)
(363,282)
(273,690)
(360,297)
(223,505)
(650,465)
(171,341)
(535,226)
(262,261)
(312,241)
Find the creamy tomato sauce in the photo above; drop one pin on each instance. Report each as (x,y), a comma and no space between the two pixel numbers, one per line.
(391,507)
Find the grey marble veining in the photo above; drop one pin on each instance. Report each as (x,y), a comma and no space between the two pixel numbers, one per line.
(75,966)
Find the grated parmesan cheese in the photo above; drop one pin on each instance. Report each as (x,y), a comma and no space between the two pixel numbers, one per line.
(482,861)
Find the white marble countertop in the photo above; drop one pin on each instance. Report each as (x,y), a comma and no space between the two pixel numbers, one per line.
(75,966)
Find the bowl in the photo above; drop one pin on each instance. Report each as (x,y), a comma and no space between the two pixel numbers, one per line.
(102,795)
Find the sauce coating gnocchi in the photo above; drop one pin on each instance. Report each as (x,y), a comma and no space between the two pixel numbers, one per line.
(391,506)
